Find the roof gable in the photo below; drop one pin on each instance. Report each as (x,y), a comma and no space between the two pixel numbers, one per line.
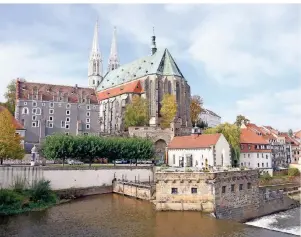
(160,63)
(194,141)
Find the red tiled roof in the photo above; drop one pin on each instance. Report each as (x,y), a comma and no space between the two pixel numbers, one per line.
(248,136)
(16,124)
(131,87)
(194,141)
(298,134)
(24,90)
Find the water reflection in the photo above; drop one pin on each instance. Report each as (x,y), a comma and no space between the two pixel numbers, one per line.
(114,215)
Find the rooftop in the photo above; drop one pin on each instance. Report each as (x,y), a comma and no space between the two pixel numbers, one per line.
(250,137)
(194,141)
(160,63)
(50,92)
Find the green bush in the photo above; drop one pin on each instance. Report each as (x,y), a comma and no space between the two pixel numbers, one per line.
(41,192)
(266,176)
(293,172)
(19,184)
(10,198)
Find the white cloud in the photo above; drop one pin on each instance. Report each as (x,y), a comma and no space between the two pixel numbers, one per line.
(281,110)
(239,44)
(26,61)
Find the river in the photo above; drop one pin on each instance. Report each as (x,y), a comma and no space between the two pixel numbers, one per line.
(112,215)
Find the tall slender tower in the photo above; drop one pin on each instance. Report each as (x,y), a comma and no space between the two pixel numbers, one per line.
(113,59)
(95,62)
(154,47)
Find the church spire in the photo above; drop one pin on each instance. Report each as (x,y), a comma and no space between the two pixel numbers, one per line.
(154,47)
(113,59)
(95,61)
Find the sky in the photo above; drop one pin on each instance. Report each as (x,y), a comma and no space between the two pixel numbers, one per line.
(241,59)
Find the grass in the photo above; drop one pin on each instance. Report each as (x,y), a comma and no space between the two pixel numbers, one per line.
(21,199)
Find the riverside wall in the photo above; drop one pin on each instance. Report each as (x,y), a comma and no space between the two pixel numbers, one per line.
(84,178)
(233,195)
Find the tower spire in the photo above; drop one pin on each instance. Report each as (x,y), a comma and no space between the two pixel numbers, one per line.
(113,59)
(95,61)
(154,47)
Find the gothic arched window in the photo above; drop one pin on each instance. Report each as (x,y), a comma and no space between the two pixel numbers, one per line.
(178,92)
(151,93)
(169,87)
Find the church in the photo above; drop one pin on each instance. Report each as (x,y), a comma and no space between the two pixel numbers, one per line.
(44,109)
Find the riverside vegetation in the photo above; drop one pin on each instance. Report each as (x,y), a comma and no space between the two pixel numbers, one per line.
(22,198)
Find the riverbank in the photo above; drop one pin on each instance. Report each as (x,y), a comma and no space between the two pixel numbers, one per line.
(20,199)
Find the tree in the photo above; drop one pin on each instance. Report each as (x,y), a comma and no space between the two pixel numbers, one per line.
(201,124)
(10,142)
(240,119)
(232,135)
(290,132)
(195,108)
(136,113)
(10,96)
(168,110)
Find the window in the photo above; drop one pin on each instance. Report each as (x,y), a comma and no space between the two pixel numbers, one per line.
(25,110)
(267,164)
(244,155)
(241,164)
(51,111)
(23,122)
(174,159)
(262,165)
(88,114)
(34,124)
(249,185)
(240,187)
(67,119)
(50,118)
(249,146)
(232,187)
(38,111)
(266,156)
(49,124)
(43,104)
(262,155)
(87,126)
(63,125)
(34,103)
(249,155)
(67,112)
(257,155)
(34,118)
(174,190)
(258,165)
(68,106)
(94,106)
(25,103)
(51,105)
(194,190)
(87,120)
(224,189)
(88,107)
(67,126)
(241,147)
(34,110)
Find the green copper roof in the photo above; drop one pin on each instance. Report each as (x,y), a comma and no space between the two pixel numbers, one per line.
(160,63)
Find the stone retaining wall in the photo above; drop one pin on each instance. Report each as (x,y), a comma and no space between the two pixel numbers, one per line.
(136,190)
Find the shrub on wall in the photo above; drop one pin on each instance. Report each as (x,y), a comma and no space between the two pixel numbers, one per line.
(293,172)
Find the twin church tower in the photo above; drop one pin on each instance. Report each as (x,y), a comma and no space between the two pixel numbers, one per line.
(95,68)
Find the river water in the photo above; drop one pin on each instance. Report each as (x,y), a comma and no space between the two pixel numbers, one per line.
(112,215)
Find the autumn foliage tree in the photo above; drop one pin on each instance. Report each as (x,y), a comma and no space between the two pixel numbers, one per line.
(136,113)
(10,142)
(195,108)
(168,110)
(10,96)
(232,135)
